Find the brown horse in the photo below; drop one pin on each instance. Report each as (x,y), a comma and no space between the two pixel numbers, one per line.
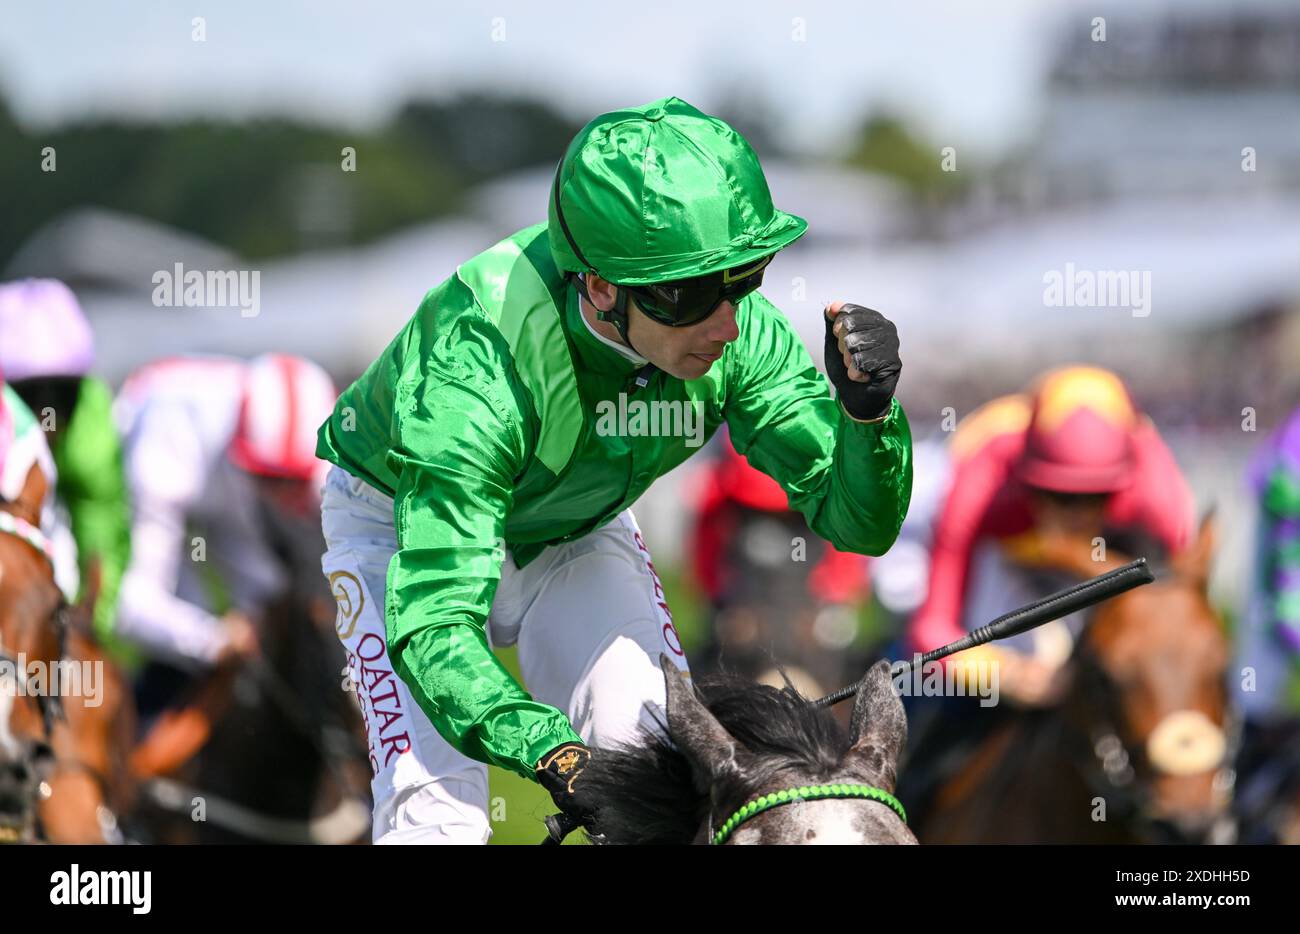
(29,602)
(61,753)
(266,749)
(90,785)
(1139,749)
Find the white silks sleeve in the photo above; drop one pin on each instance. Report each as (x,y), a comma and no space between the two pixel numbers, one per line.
(166,467)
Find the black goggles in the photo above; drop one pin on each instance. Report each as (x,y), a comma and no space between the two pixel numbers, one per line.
(683,302)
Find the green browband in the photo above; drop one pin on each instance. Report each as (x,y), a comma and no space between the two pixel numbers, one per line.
(805,793)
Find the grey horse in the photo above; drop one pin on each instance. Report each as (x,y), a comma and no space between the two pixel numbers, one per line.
(745,763)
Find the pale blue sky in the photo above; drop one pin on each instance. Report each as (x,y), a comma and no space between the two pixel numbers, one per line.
(969,72)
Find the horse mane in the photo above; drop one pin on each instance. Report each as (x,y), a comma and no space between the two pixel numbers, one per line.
(646,793)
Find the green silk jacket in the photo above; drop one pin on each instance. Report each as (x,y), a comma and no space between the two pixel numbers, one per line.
(492,419)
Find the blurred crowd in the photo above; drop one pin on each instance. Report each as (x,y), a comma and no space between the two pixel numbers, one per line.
(179,512)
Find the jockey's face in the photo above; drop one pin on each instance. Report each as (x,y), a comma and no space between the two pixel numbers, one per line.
(1070,513)
(51,399)
(685,352)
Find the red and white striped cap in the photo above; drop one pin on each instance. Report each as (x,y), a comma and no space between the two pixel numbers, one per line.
(285,400)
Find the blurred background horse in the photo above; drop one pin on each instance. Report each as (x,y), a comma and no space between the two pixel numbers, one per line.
(267,749)
(1140,748)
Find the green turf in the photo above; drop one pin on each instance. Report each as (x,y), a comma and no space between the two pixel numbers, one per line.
(517,806)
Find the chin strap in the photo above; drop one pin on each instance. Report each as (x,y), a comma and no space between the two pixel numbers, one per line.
(616,316)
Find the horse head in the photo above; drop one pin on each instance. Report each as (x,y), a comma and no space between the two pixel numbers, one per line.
(1150,691)
(776,770)
(29,602)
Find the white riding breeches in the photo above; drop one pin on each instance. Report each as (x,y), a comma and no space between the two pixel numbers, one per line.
(589,618)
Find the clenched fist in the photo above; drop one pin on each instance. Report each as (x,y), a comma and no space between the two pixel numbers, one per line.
(862,359)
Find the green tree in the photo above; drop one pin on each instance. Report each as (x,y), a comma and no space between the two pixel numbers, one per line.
(887,146)
(268,187)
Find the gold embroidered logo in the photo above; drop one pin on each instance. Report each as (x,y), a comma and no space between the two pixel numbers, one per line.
(350,598)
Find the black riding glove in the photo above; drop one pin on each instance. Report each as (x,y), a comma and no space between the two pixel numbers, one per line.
(872,343)
(560,773)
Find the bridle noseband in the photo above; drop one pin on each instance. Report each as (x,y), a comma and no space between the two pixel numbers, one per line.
(1112,769)
(803,793)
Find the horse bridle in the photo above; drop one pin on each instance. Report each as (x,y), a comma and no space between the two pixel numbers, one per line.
(49,705)
(801,793)
(1073,598)
(1110,770)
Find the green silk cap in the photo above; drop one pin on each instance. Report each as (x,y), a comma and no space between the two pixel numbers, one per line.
(661,192)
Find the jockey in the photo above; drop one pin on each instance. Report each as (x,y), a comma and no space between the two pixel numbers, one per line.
(486,462)
(1269,638)
(1032,474)
(1268,645)
(46,350)
(27,479)
(204,439)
